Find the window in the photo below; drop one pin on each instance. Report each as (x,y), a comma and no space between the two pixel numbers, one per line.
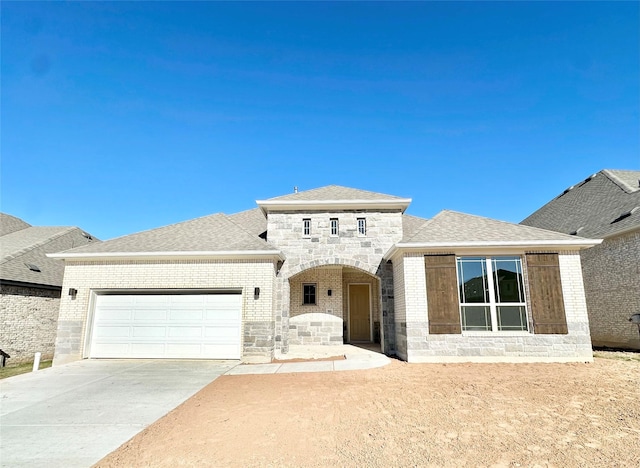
(308,294)
(306,227)
(334,226)
(492,294)
(362,227)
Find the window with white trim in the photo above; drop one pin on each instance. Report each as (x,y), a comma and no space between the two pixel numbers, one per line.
(306,227)
(334,226)
(491,292)
(362,226)
(309,294)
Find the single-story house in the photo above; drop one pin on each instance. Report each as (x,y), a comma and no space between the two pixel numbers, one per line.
(31,285)
(328,266)
(605,205)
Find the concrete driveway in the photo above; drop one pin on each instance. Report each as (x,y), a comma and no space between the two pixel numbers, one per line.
(73,415)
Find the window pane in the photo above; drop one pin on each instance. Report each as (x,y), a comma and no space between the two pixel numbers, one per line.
(473,280)
(507,273)
(512,318)
(309,294)
(476,318)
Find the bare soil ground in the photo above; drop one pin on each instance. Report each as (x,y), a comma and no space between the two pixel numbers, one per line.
(405,415)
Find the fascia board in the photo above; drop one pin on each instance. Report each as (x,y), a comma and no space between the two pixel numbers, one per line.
(478,246)
(203,255)
(284,205)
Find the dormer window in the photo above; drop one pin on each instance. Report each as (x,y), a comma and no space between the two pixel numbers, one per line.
(362,227)
(334,227)
(306,227)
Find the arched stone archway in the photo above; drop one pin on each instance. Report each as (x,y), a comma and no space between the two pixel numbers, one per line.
(328,300)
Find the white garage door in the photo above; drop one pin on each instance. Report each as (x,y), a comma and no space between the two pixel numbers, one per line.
(187,326)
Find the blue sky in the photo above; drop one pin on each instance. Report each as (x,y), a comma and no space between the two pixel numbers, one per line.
(119,117)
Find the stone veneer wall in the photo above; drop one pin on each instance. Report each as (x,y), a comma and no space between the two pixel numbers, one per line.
(349,249)
(612,285)
(387,304)
(257,314)
(492,347)
(28,322)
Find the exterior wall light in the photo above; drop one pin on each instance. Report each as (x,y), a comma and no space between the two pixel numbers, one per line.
(73,292)
(256,293)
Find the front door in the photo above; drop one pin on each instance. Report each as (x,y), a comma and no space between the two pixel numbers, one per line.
(359,312)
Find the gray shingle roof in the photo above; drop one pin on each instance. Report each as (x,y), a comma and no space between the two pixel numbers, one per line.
(334,192)
(411,225)
(213,233)
(29,247)
(9,224)
(593,207)
(454,227)
(253,221)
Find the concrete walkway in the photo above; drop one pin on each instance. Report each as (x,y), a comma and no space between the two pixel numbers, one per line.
(356,358)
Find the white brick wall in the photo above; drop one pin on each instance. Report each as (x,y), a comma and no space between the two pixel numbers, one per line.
(184,274)
(415,288)
(410,283)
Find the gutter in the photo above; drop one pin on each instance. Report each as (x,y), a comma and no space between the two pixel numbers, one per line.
(221,254)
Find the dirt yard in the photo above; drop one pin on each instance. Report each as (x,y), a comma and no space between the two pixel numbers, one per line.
(405,415)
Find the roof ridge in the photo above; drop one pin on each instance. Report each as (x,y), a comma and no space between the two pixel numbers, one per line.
(25,250)
(619,182)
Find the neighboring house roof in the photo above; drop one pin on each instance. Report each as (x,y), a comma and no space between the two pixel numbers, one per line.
(23,252)
(253,221)
(450,229)
(334,197)
(605,204)
(214,235)
(9,224)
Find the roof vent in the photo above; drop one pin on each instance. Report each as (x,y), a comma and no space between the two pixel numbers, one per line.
(575,233)
(88,236)
(33,267)
(625,215)
(295,189)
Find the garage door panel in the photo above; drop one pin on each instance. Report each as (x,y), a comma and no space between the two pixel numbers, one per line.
(147,350)
(194,326)
(114,332)
(149,332)
(149,314)
(185,332)
(185,314)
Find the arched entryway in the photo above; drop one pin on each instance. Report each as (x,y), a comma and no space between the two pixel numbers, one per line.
(334,304)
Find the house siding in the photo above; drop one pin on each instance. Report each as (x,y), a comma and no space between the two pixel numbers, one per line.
(257,314)
(612,286)
(424,347)
(28,322)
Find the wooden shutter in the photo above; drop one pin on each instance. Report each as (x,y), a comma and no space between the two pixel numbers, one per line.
(442,294)
(545,289)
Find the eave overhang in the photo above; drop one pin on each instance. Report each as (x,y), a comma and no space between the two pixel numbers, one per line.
(195,255)
(267,206)
(478,247)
